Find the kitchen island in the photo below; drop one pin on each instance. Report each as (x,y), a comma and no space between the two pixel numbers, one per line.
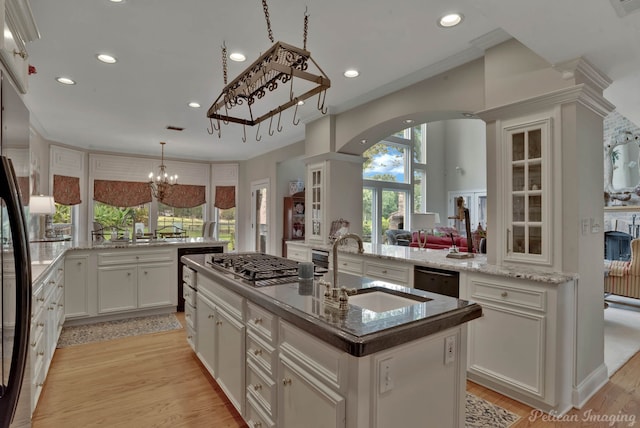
(522,346)
(303,363)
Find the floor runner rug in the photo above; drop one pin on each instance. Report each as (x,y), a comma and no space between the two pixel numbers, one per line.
(97,332)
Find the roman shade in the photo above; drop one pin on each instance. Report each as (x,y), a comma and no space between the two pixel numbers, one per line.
(121,193)
(185,196)
(66,190)
(225,197)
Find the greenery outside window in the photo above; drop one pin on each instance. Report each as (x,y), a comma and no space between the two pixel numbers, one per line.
(187,219)
(226,226)
(122,219)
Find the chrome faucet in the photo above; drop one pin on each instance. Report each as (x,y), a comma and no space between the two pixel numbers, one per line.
(342,238)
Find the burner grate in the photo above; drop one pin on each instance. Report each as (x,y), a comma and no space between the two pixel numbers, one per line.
(259,269)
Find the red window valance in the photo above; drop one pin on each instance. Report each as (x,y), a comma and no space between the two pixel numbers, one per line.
(121,193)
(66,190)
(225,197)
(23,187)
(185,196)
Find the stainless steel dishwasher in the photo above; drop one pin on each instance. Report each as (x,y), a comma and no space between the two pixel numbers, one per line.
(437,280)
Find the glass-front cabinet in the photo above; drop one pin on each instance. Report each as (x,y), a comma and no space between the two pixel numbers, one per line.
(316,178)
(527,207)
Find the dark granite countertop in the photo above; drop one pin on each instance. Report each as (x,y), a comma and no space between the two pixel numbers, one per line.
(360,331)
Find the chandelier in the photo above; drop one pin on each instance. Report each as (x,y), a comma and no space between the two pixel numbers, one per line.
(279,67)
(160,182)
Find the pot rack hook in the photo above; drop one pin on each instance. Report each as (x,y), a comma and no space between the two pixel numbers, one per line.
(279,128)
(210,130)
(295,114)
(258,137)
(244,131)
(270,122)
(322,95)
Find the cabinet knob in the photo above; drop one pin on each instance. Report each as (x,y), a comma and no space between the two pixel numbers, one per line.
(189,337)
(218,322)
(257,387)
(33,344)
(286,382)
(257,321)
(41,353)
(504,294)
(40,324)
(79,263)
(210,316)
(257,352)
(60,286)
(40,299)
(145,272)
(257,425)
(384,271)
(60,305)
(128,273)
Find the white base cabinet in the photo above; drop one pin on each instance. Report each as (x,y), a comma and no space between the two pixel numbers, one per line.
(521,346)
(290,379)
(76,297)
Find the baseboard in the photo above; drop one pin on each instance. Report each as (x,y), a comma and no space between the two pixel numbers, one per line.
(120,315)
(589,386)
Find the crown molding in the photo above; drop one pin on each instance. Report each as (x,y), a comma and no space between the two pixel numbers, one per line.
(582,94)
(580,66)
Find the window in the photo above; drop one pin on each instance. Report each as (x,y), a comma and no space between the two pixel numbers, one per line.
(120,221)
(226,226)
(394,182)
(62,220)
(188,220)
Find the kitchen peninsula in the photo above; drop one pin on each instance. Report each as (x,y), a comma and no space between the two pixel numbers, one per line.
(305,364)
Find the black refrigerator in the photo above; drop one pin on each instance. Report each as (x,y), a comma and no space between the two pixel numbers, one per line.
(15,268)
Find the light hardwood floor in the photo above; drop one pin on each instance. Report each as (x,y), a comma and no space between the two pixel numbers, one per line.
(157,381)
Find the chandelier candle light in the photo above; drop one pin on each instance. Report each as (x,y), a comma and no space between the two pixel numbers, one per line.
(159,183)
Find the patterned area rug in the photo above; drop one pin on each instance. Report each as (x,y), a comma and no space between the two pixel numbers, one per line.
(97,332)
(482,414)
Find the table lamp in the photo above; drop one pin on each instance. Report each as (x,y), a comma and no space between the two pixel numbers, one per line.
(421,222)
(42,205)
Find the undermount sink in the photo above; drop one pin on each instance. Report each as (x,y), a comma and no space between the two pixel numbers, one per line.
(378,300)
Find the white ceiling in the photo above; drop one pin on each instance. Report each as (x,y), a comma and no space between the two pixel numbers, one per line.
(169,54)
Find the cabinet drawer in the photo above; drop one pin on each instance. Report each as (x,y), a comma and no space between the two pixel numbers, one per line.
(262,322)
(189,295)
(256,417)
(191,337)
(189,276)
(190,315)
(298,254)
(350,264)
(530,299)
(221,296)
(261,353)
(261,387)
(127,257)
(387,272)
(316,357)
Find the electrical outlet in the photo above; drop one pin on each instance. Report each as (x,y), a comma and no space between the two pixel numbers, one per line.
(386,375)
(449,349)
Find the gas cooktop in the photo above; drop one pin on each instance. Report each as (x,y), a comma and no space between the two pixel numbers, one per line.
(258,269)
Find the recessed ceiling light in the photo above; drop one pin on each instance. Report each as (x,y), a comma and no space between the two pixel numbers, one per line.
(116,1)
(194,104)
(364,141)
(450,20)
(301,102)
(65,81)
(237,56)
(407,121)
(107,59)
(468,114)
(351,73)
(8,34)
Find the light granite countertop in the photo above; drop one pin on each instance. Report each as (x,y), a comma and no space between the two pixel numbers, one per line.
(438,259)
(43,254)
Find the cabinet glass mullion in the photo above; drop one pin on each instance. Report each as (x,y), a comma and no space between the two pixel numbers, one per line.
(526,150)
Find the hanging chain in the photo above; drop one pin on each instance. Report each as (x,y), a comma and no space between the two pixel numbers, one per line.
(306,25)
(224,62)
(266,16)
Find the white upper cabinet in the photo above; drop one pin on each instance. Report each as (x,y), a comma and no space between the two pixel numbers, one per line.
(19,29)
(527,211)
